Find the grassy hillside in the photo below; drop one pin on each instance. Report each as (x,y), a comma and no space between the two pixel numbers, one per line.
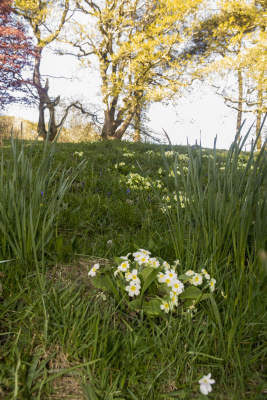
(66,207)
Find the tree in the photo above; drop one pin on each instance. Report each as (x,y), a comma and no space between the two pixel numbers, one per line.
(234,40)
(46,19)
(219,40)
(133,41)
(16,54)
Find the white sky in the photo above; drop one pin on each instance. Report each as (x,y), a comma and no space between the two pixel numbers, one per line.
(200,111)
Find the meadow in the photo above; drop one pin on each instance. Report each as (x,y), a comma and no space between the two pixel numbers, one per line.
(67,210)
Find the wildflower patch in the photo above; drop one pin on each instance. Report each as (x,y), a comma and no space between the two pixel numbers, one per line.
(141,282)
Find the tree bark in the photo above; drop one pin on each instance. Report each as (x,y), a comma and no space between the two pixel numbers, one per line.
(240,103)
(115,128)
(137,124)
(258,120)
(44,101)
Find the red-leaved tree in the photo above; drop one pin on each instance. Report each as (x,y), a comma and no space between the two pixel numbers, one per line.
(16,54)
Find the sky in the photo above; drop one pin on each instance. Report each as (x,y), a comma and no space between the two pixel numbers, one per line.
(199,114)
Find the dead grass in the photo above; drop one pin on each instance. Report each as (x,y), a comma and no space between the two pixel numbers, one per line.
(68,386)
(76,271)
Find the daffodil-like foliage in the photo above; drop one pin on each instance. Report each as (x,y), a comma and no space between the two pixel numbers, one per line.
(142,282)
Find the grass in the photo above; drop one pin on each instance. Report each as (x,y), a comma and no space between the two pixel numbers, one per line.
(60,337)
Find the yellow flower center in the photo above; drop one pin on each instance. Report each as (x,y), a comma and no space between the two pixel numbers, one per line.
(197,278)
(133,288)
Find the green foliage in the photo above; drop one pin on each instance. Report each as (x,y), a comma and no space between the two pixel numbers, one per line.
(134,352)
(32,192)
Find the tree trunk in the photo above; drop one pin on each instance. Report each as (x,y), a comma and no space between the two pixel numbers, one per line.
(137,124)
(115,128)
(258,120)
(108,130)
(44,101)
(240,103)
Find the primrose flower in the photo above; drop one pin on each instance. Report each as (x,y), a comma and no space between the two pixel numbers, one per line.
(189,273)
(143,259)
(161,277)
(128,276)
(126,257)
(137,255)
(212,284)
(166,265)
(153,262)
(133,288)
(93,270)
(145,252)
(207,276)
(171,274)
(166,198)
(132,276)
(124,266)
(205,384)
(168,280)
(196,280)
(165,306)
(176,262)
(174,299)
(177,287)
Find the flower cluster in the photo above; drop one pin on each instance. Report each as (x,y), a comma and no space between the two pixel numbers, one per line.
(183,157)
(166,199)
(169,154)
(172,174)
(152,152)
(134,269)
(136,181)
(207,156)
(121,164)
(128,154)
(79,154)
(197,279)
